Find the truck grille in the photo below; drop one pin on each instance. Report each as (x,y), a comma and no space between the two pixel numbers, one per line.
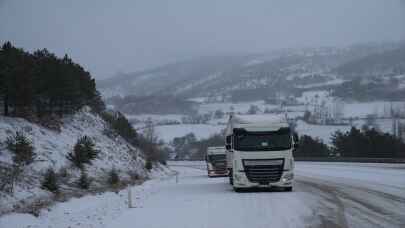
(265,171)
(220,165)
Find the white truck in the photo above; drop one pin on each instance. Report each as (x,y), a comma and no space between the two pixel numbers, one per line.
(216,162)
(259,151)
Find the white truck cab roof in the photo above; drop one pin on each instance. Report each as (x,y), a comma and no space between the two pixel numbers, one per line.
(256,123)
(216,150)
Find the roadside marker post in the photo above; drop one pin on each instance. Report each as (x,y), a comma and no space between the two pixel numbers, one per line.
(130,198)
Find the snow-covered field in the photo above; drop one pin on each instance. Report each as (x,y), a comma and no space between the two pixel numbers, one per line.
(378,108)
(155,118)
(241,107)
(168,132)
(325,195)
(313,101)
(322,132)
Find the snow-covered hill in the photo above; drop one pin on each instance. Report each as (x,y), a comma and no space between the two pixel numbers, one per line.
(282,70)
(52,147)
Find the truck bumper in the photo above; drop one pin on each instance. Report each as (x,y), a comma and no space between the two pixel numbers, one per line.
(218,173)
(241,181)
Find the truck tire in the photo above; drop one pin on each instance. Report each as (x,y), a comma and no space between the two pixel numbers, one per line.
(238,190)
(288,189)
(230,177)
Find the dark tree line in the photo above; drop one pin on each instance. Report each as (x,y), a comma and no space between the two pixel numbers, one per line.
(310,147)
(40,83)
(120,124)
(368,143)
(373,90)
(189,147)
(152,104)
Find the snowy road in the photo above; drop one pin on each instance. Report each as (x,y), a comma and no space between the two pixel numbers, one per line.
(325,195)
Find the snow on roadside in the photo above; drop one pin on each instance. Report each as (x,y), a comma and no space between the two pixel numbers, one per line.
(88,211)
(198,201)
(52,147)
(392,175)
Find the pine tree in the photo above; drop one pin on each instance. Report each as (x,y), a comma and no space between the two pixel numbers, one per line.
(84,180)
(83,152)
(41,83)
(22,148)
(50,181)
(148,164)
(310,147)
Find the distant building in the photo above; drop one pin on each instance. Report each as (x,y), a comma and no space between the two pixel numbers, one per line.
(328,112)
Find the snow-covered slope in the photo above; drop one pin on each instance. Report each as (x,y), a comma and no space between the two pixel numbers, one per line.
(225,75)
(52,147)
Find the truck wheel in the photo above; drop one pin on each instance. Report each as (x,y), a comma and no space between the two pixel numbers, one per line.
(237,189)
(288,189)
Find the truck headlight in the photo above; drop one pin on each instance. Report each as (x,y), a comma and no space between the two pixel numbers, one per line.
(288,177)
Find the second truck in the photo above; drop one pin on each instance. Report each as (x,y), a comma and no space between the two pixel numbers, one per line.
(216,162)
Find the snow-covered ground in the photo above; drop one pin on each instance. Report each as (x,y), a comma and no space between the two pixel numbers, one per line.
(155,118)
(336,81)
(325,195)
(241,107)
(52,146)
(89,211)
(168,132)
(357,111)
(378,108)
(322,132)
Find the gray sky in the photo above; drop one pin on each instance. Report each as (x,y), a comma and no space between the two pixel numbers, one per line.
(109,36)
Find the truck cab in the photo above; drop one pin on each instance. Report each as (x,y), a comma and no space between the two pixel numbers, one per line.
(260,152)
(216,162)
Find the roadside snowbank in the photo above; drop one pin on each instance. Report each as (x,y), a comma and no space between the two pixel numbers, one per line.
(52,147)
(88,211)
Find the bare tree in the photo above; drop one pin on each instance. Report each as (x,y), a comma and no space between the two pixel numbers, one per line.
(150,132)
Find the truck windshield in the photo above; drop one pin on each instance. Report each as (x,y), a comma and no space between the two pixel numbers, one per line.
(263,141)
(216,157)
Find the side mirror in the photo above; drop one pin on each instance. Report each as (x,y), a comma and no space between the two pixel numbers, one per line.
(228,147)
(295,137)
(296,145)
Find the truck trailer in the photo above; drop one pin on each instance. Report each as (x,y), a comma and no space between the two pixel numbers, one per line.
(216,163)
(259,152)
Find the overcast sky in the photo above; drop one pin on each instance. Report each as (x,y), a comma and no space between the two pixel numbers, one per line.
(109,36)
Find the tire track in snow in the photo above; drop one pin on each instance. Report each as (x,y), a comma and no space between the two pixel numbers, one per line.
(335,216)
(357,206)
